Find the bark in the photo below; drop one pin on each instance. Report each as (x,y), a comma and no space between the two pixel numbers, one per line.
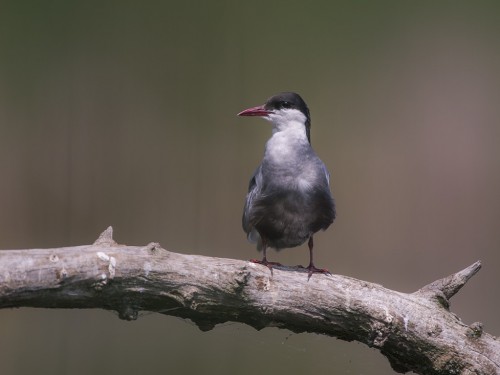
(415,331)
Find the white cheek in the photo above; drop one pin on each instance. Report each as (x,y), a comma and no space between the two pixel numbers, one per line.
(287,118)
(294,115)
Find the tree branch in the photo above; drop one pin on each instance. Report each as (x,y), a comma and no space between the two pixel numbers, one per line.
(415,331)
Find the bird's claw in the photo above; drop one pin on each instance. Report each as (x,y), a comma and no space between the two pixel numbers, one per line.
(264,262)
(313,269)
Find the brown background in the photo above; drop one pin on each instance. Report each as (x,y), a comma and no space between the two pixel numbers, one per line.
(124,114)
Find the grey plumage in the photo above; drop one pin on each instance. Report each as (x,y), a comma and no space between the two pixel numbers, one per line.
(289,195)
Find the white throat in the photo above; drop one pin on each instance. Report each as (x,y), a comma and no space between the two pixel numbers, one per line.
(289,134)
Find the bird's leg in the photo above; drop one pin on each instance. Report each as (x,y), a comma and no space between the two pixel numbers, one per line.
(264,255)
(312,269)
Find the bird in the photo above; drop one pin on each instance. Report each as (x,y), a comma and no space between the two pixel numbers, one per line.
(289,197)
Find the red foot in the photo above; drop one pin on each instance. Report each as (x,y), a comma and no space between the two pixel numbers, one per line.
(264,262)
(312,269)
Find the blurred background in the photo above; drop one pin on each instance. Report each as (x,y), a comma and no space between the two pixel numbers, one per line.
(124,113)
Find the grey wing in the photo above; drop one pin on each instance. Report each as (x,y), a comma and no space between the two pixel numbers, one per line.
(254,189)
(332,213)
(327,174)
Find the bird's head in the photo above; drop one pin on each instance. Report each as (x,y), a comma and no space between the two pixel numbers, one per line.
(283,110)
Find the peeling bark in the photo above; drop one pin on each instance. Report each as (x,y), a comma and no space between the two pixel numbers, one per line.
(415,331)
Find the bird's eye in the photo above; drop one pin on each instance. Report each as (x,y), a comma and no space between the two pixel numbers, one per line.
(286,105)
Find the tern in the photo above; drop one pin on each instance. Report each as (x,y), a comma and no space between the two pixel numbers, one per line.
(289,197)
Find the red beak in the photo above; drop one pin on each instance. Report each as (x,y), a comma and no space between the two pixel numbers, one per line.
(255,111)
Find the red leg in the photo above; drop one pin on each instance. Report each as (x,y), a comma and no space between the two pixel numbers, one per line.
(312,269)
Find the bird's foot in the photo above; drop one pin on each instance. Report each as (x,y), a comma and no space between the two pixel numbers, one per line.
(264,262)
(313,269)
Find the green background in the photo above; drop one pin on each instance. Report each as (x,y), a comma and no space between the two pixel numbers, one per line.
(124,113)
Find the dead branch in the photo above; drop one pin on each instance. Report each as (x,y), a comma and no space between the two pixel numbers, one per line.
(415,331)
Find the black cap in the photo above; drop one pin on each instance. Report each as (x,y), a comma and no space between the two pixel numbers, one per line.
(290,100)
